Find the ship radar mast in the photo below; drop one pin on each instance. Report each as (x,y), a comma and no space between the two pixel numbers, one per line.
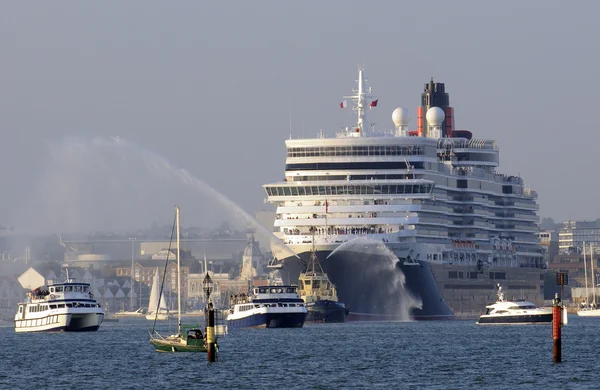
(362,99)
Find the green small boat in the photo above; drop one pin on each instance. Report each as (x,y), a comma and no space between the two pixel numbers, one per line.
(190,339)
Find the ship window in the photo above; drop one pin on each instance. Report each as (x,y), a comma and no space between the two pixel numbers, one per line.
(51,289)
(52,306)
(61,306)
(77,288)
(59,289)
(20,309)
(290,290)
(307,282)
(68,288)
(301,191)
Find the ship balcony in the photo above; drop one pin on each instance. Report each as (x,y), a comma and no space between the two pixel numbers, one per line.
(347,221)
(330,239)
(308,208)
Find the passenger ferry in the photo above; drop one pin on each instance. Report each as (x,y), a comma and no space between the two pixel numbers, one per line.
(268,307)
(67,306)
(430,196)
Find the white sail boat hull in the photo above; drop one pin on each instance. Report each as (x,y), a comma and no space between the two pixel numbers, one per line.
(158,317)
(589,313)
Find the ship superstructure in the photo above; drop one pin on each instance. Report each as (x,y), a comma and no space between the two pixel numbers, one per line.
(431,195)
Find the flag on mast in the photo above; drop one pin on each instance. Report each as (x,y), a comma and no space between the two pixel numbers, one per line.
(344,104)
(374,103)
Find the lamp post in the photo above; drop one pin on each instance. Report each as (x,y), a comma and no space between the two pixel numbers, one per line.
(207,286)
(132,239)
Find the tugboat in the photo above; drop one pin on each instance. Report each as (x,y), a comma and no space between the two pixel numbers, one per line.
(514,312)
(319,294)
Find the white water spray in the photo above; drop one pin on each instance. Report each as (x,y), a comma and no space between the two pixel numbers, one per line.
(75,157)
(385,276)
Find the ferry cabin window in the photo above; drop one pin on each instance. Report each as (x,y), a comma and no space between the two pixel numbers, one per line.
(263,290)
(51,290)
(68,288)
(86,288)
(290,290)
(59,289)
(77,288)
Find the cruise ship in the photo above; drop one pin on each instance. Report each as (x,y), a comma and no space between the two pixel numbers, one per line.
(410,223)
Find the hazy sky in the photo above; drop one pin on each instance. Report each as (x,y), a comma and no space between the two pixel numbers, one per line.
(208,85)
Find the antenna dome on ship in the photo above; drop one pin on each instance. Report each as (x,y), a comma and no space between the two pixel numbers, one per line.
(435,116)
(400,116)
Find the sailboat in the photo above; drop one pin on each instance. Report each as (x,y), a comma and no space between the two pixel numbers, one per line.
(157,307)
(189,338)
(590,310)
(319,294)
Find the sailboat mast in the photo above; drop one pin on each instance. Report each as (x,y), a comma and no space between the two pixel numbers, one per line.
(593,276)
(313,255)
(178,275)
(587,295)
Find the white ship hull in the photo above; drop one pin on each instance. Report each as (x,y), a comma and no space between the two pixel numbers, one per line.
(73,320)
(159,317)
(589,313)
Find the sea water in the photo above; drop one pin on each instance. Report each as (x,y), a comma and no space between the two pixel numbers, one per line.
(354,355)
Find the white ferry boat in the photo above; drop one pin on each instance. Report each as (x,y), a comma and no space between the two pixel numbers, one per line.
(430,195)
(67,306)
(514,312)
(269,306)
